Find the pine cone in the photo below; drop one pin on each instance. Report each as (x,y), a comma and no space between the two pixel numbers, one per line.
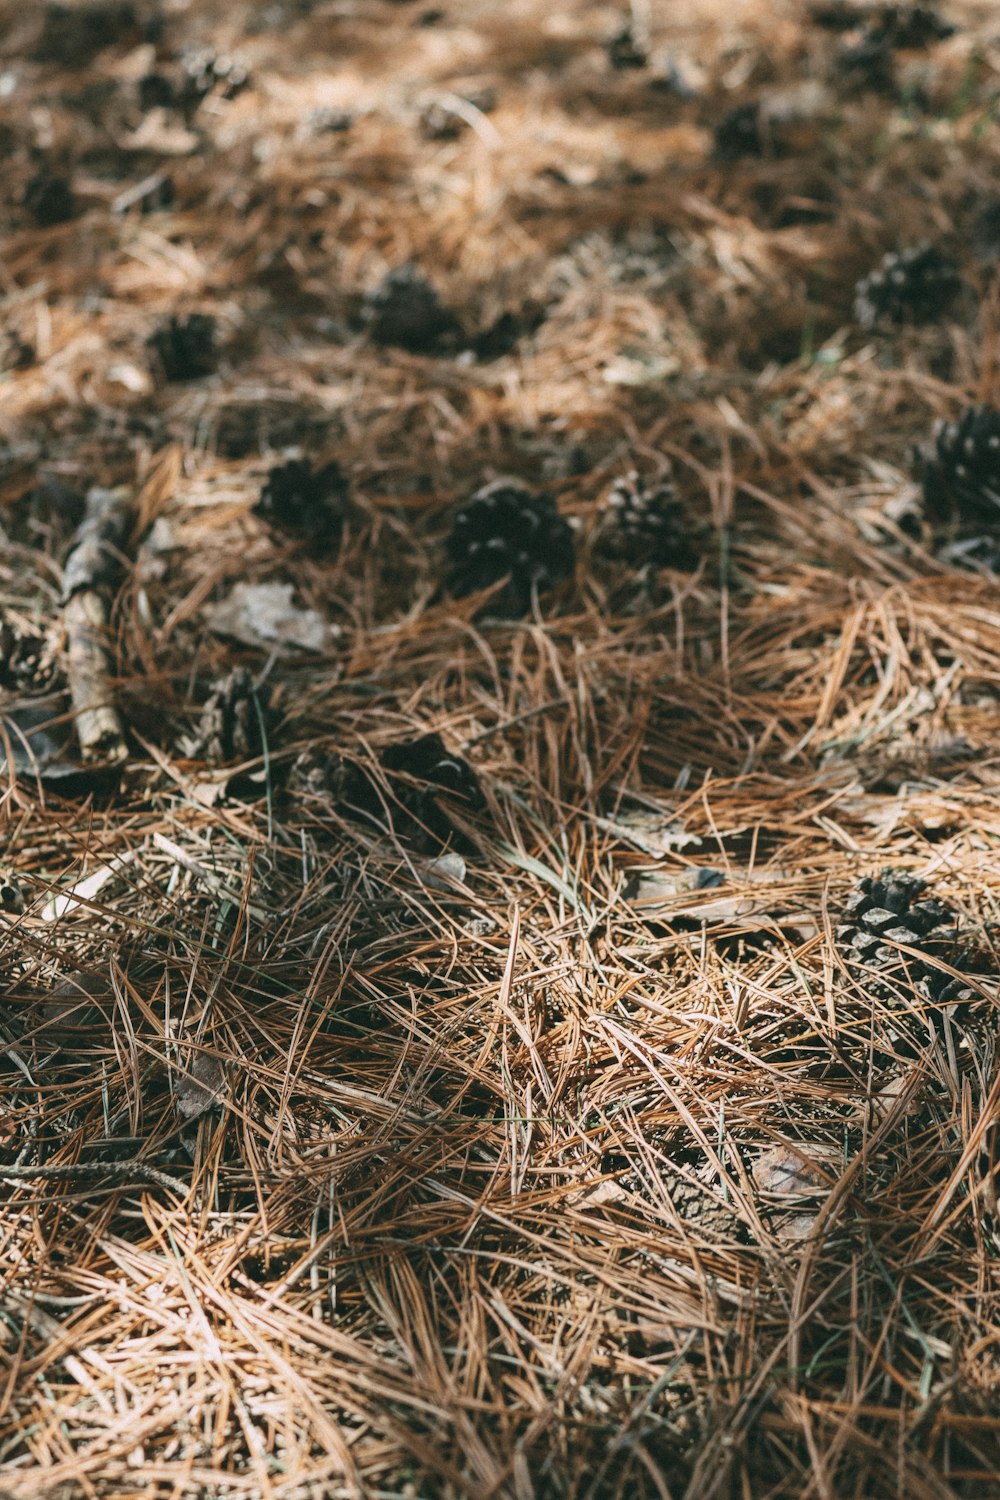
(156,91)
(740,132)
(627,49)
(406,311)
(910,26)
(890,910)
(908,285)
(427,760)
(415,775)
(73,35)
(211,73)
(185,347)
(961,473)
(643,524)
(49,200)
(25,661)
(507,531)
(229,726)
(306,504)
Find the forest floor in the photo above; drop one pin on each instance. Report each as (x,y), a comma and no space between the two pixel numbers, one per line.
(506,1116)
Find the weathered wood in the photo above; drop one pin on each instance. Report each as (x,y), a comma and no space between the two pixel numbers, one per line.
(91,565)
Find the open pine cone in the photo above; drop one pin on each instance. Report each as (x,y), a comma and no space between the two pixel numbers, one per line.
(233,721)
(887,914)
(643,524)
(912,285)
(419,777)
(305,502)
(508,531)
(962,470)
(405,310)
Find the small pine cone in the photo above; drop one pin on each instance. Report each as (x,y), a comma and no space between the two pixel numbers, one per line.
(627,49)
(186,347)
(644,525)
(25,660)
(427,760)
(49,200)
(507,531)
(73,35)
(740,132)
(304,503)
(961,472)
(909,285)
(406,797)
(885,912)
(406,311)
(230,725)
(910,26)
(211,73)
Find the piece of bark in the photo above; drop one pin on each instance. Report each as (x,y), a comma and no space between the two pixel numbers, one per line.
(91,565)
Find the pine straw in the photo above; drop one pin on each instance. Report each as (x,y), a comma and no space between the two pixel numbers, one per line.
(334,1171)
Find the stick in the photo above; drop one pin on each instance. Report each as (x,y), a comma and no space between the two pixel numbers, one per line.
(91,565)
(76,1171)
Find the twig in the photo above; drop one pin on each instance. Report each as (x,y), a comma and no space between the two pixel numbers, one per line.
(77,1170)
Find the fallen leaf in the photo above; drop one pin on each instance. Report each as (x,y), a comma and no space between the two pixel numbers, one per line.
(262,614)
(780,1172)
(443,873)
(653,835)
(200,1085)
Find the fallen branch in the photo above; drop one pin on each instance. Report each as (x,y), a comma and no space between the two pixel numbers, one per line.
(91,565)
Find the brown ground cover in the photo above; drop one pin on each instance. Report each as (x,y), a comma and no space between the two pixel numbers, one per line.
(516,1115)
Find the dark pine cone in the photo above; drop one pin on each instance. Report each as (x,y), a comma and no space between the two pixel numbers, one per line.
(627,50)
(915,285)
(740,132)
(406,311)
(644,525)
(23,660)
(304,503)
(156,91)
(962,471)
(890,910)
(427,760)
(416,775)
(507,531)
(186,347)
(49,200)
(869,55)
(910,26)
(72,35)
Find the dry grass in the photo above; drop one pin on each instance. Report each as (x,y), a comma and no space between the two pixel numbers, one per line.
(332,1171)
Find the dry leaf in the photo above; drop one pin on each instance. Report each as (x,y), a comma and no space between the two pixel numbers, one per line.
(262,614)
(200,1086)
